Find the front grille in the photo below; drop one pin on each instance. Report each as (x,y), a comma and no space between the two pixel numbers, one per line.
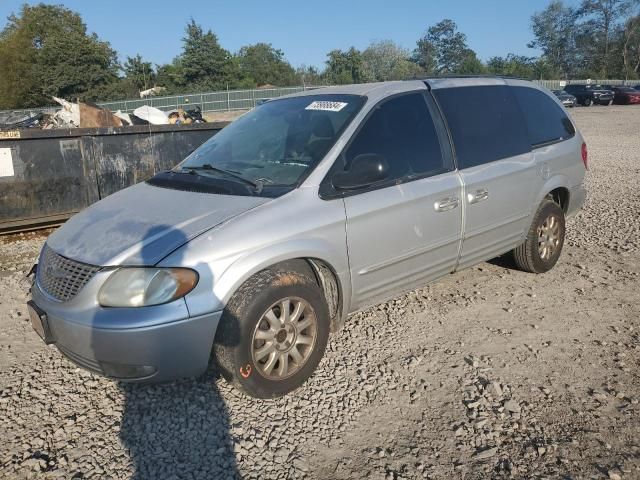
(60,277)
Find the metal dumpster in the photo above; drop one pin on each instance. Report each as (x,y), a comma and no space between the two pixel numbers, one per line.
(48,175)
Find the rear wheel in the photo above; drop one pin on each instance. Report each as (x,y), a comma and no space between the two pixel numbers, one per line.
(273,333)
(545,239)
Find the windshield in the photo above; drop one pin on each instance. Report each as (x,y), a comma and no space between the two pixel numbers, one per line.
(277,143)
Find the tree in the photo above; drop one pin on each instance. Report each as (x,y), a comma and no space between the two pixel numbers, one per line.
(265,65)
(139,73)
(309,75)
(204,64)
(344,66)
(384,60)
(444,50)
(513,65)
(46,51)
(602,17)
(631,47)
(555,29)
(170,76)
(471,64)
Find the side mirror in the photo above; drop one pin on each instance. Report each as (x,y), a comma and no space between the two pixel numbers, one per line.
(366,170)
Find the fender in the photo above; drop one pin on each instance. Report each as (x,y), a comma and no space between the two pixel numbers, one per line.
(557,181)
(243,266)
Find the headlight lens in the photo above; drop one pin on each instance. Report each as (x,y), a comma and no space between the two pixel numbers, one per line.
(142,287)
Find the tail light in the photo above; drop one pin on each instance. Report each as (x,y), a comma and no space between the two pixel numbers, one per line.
(585,156)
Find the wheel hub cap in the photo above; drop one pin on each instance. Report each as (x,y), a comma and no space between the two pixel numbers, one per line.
(548,237)
(284,338)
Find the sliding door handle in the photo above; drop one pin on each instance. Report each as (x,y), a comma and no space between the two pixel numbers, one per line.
(478,196)
(446,204)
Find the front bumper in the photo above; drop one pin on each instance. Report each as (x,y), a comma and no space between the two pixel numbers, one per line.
(154,352)
(603,100)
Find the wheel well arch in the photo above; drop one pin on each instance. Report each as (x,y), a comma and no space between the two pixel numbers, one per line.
(325,277)
(560,195)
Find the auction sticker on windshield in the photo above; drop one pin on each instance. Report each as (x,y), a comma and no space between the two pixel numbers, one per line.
(326,106)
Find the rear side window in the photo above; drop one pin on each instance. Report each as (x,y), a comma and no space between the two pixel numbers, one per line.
(546,121)
(485,123)
(403,132)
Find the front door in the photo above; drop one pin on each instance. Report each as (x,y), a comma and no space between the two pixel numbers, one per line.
(407,230)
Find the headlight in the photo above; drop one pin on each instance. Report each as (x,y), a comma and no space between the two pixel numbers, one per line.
(142,287)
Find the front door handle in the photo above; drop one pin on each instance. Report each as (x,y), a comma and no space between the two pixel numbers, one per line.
(478,196)
(446,204)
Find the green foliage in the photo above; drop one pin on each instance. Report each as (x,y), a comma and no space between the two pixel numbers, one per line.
(555,33)
(630,46)
(204,64)
(594,40)
(266,65)
(443,50)
(169,76)
(344,67)
(512,66)
(309,75)
(384,60)
(139,73)
(47,50)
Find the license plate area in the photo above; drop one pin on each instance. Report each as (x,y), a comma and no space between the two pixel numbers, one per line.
(39,322)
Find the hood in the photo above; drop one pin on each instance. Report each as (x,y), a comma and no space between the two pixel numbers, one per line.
(141,225)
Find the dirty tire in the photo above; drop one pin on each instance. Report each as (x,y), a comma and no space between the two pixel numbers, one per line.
(234,343)
(527,256)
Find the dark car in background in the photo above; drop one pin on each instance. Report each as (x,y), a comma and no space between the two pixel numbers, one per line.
(588,94)
(567,99)
(626,96)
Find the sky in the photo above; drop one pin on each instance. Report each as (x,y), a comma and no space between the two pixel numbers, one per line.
(305,31)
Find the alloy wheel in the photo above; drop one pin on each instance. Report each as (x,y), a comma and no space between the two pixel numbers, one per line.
(284,338)
(548,237)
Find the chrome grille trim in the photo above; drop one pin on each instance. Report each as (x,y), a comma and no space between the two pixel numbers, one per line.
(62,278)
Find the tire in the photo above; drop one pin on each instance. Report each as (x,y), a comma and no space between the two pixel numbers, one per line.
(251,333)
(586,102)
(548,223)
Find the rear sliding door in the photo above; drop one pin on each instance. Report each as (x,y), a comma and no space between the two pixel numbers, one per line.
(497,167)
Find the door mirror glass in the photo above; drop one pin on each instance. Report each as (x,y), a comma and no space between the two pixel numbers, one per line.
(366,169)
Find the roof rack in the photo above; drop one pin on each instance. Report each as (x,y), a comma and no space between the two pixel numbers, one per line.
(433,77)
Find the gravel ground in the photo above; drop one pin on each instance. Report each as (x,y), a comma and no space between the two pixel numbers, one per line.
(487,373)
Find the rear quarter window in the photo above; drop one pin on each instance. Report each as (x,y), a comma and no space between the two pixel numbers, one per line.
(546,121)
(485,123)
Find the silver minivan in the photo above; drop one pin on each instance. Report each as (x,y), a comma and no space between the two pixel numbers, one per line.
(260,243)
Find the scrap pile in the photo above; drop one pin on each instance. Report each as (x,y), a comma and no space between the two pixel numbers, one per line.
(88,115)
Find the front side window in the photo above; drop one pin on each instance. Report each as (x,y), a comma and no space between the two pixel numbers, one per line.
(401,131)
(485,123)
(546,121)
(274,146)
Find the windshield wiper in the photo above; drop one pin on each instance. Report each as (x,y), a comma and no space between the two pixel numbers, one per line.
(230,173)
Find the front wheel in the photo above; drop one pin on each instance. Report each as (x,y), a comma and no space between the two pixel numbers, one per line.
(273,333)
(543,245)
(586,102)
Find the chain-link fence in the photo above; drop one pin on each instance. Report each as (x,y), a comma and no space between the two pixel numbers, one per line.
(228,100)
(225,100)
(559,84)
